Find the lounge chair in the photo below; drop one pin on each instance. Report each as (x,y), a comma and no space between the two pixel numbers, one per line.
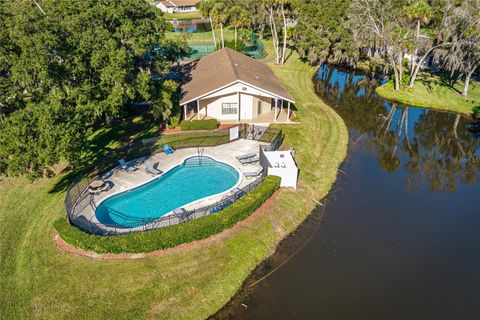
(238,193)
(126,167)
(150,169)
(253,174)
(98,190)
(221,206)
(167,149)
(182,214)
(249,160)
(245,156)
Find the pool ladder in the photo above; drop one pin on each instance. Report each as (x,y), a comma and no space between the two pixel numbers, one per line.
(200,152)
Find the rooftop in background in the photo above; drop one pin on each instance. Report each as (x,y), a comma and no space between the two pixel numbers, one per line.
(178,3)
(225,67)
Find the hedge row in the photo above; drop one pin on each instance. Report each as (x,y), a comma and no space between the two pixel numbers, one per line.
(209,124)
(172,236)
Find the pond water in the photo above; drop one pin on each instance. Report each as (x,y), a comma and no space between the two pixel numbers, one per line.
(399,235)
(191,25)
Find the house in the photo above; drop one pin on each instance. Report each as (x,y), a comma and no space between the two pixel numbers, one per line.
(172,6)
(231,87)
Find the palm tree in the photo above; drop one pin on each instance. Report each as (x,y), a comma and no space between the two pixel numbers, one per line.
(220,15)
(419,12)
(205,8)
(239,18)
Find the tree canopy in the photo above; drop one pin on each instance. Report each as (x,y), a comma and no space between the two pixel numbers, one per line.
(66,63)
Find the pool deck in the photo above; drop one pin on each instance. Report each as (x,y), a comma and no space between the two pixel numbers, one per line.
(121,181)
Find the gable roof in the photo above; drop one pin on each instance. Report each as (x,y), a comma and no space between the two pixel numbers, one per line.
(225,67)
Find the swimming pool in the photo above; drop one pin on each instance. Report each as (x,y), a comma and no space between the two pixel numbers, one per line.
(194,179)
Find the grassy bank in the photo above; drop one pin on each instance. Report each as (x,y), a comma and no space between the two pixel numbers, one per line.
(38,280)
(431,91)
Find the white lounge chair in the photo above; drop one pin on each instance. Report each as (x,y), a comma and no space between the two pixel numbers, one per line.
(245,156)
(150,169)
(249,160)
(253,174)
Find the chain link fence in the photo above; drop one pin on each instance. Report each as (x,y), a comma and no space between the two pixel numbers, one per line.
(78,197)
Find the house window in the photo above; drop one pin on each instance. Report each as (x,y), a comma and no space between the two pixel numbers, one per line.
(229,108)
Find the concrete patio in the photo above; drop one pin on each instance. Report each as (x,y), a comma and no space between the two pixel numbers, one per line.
(121,181)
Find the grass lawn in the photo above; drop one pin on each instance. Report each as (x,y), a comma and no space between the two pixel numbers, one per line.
(431,91)
(38,280)
(183,15)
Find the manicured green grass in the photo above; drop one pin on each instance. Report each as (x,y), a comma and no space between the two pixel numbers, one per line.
(183,15)
(209,124)
(38,280)
(431,91)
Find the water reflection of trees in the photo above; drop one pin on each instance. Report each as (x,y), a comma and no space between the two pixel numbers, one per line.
(435,148)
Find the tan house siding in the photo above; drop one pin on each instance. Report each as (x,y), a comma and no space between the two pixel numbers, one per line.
(265,106)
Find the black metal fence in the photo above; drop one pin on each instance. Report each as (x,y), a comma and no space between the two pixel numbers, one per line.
(78,196)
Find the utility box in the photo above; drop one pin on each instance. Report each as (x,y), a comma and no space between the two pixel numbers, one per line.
(282,164)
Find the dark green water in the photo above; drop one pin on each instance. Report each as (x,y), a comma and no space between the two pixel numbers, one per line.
(400,235)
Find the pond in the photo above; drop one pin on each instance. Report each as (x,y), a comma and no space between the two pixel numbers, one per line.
(191,25)
(399,234)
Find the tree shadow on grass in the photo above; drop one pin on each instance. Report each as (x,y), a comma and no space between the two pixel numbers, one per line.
(440,80)
(107,144)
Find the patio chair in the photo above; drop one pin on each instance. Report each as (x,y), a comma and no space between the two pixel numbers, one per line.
(249,160)
(125,166)
(253,174)
(150,169)
(96,191)
(245,156)
(167,149)
(182,214)
(238,193)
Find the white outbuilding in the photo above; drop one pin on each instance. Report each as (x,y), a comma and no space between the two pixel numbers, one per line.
(282,164)
(232,87)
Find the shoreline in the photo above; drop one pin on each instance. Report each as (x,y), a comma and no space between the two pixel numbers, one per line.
(433,101)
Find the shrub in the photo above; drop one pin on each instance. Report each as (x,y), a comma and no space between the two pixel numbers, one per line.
(175,235)
(174,121)
(210,124)
(239,47)
(476,112)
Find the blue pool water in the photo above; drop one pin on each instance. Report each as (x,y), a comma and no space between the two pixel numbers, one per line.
(190,181)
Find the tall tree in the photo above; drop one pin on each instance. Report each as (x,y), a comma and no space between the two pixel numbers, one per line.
(381,23)
(463,56)
(65,66)
(322,32)
(206,8)
(278,10)
(238,18)
(220,15)
(439,31)
(419,13)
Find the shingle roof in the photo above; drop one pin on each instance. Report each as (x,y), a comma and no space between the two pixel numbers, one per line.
(227,66)
(167,4)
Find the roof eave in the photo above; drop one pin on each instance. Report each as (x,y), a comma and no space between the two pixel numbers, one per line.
(289,99)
